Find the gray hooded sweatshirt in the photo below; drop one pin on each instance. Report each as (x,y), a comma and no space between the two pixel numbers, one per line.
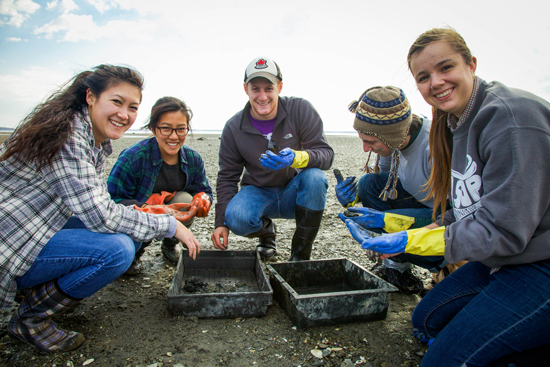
(501,180)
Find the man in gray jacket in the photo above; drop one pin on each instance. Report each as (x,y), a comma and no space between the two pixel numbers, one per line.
(280,144)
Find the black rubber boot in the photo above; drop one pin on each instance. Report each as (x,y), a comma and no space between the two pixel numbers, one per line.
(266,248)
(135,268)
(171,249)
(307,226)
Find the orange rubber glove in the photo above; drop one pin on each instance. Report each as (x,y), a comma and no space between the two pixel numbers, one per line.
(159,199)
(182,212)
(202,202)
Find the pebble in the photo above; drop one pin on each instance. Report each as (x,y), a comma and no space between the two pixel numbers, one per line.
(87,362)
(317,353)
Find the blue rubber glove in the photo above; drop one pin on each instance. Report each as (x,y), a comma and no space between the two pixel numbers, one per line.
(346,190)
(284,159)
(371,218)
(394,243)
(368,218)
(419,241)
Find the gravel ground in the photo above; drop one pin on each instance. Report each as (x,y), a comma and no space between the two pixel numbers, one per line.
(127,322)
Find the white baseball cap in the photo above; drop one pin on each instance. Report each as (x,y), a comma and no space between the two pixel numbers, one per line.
(263,67)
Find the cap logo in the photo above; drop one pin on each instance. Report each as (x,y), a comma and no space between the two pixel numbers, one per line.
(261,64)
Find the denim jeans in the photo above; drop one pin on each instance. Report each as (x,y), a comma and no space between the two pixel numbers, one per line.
(369,188)
(371,185)
(245,211)
(477,317)
(82,261)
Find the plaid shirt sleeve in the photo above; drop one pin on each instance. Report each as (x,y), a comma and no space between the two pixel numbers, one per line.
(74,178)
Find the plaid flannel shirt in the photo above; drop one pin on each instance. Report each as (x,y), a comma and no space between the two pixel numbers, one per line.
(136,170)
(35,205)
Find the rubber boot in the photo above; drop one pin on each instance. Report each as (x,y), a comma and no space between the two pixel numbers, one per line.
(171,249)
(266,247)
(31,322)
(135,267)
(307,225)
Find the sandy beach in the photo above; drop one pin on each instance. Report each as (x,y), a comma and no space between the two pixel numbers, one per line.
(127,322)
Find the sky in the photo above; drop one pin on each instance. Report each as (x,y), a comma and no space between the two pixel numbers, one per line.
(329,52)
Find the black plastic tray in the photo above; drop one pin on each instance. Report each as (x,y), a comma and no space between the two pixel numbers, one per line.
(329,292)
(237,285)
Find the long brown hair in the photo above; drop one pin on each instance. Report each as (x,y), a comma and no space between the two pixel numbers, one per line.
(441,141)
(44,131)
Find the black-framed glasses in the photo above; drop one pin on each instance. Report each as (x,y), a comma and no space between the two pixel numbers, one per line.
(167,131)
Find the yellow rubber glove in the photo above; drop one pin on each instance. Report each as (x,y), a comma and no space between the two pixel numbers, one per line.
(371,218)
(301,159)
(426,242)
(420,241)
(396,222)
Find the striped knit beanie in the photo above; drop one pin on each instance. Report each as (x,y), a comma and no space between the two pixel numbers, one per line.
(385,113)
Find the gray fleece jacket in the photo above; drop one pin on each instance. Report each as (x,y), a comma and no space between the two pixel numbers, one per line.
(500,180)
(298,126)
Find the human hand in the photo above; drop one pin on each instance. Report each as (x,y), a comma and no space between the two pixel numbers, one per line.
(394,243)
(202,202)
(182,212)
(419,241)
(371,218)
(273,161)
(184,235)
(366,218)
(346,190)
(220,238)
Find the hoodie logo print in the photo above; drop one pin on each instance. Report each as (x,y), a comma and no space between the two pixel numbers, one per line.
(465,190)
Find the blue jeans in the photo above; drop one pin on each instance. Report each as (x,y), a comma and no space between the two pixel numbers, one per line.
(369,188)
(371,185)
(82,261)
(245,211)
(476,317)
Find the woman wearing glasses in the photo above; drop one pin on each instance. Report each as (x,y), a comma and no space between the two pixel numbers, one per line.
(162,170)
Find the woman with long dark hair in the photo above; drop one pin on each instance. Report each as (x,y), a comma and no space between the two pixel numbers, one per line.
(62,238)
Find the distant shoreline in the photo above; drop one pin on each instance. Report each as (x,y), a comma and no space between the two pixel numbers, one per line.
(140,133)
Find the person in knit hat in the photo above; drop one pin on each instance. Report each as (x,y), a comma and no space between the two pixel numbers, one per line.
(384,113)
(391,191)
